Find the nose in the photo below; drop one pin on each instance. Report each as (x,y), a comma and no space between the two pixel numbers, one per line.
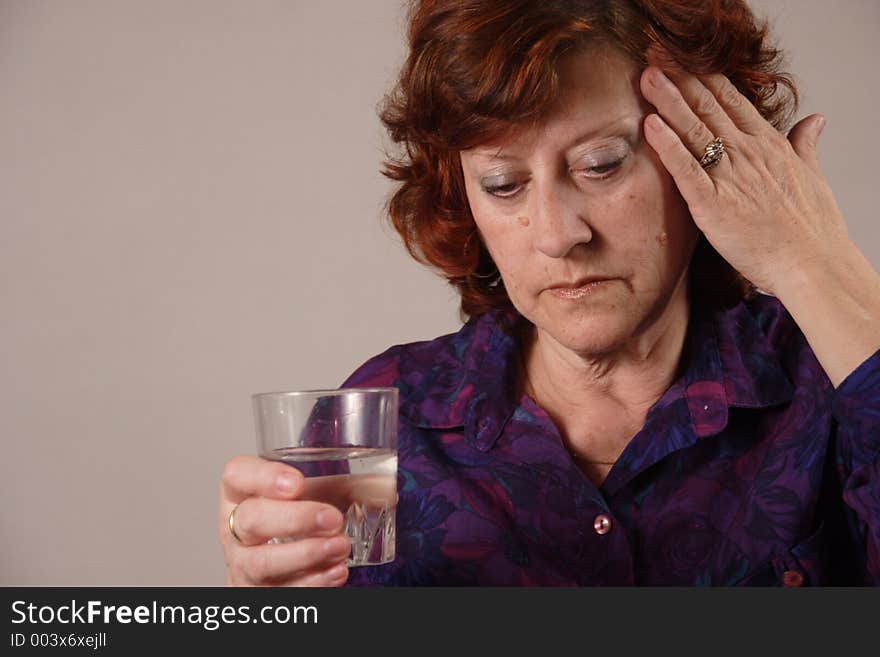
(560,220)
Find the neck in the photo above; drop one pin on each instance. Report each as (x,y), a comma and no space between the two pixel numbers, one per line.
(628,379)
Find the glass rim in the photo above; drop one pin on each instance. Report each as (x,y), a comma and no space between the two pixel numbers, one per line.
(330,392)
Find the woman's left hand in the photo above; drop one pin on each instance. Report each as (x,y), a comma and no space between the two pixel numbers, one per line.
(765,207)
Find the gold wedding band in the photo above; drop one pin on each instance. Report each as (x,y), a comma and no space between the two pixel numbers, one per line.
(232,525)
(712,154)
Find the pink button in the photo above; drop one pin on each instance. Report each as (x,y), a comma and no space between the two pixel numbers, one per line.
(602,524)
(792,578)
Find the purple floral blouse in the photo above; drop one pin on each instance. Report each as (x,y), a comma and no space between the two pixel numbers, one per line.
(751,469)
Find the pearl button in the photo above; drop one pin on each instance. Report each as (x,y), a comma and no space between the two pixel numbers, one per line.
(792,578)
(602,524)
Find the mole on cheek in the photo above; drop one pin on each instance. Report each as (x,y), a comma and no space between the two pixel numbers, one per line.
(663,238)
(524,221)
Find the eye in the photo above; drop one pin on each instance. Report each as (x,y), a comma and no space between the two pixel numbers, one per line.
(504,190)
(601,171)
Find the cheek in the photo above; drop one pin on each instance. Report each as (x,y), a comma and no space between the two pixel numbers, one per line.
(637,221)
(654,229)
(505,236)
(504,239)
(662,219)
(671,209)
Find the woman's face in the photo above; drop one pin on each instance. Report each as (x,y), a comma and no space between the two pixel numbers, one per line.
(583,195)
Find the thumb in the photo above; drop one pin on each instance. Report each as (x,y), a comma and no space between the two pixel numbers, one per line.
(805,136)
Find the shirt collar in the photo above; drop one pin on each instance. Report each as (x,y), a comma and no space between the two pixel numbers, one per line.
(728,362)
(471,383)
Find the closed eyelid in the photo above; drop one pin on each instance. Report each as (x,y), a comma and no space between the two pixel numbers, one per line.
(502,179)
(609,153)
(495,177)
(589,164)
(604,153)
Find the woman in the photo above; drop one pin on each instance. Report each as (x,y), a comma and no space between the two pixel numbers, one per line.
(623,406)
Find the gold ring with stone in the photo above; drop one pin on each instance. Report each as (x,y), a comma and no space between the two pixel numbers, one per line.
(712,154)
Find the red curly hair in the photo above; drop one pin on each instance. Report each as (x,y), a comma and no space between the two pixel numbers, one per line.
(477,69)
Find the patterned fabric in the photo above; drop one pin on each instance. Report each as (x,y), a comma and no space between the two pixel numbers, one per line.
(751,469)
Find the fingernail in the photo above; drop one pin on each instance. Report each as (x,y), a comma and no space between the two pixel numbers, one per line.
(286,483)
(337,573)
(338,545)
(655,123)
(822,122)
(326,519)
(659,79)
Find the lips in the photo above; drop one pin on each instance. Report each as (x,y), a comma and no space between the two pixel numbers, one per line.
(579,283)
(580,289)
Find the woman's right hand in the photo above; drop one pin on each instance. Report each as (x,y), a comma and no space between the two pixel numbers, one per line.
(266,493)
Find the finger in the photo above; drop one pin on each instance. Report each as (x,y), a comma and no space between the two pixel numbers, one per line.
(247,476)
(804,138)
(284,562)
(258,519)
(687,107)
(335,575)
(741,111)
(695,185)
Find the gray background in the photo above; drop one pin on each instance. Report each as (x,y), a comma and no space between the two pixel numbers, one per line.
(192,212)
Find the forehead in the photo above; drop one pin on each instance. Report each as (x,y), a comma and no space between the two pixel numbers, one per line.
(598,92)
(596,75)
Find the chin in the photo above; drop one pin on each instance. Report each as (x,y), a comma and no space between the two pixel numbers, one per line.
(590,331)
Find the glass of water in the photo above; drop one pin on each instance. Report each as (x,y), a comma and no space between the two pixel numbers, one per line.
(345,444)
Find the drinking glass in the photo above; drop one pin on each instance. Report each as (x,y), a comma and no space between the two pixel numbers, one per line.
(344,442)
